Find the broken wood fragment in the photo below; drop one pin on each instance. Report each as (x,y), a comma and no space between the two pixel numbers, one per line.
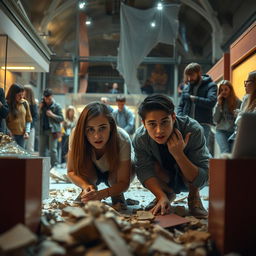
(85,230)
(145,215)
(16,238)
(111,236)
(163,245)
(75,212)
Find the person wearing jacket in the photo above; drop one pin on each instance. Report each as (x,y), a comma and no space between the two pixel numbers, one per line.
(123,115)
(170,155)
(19,118)
(198,97)
(51,117)
(224,115)
(4,110)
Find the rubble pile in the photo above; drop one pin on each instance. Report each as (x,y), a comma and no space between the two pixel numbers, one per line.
(9,148)
(98,229)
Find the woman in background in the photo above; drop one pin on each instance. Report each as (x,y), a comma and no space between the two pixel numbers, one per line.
(30,98)
(100,152)
(249,100)
(224,115)
(68,124)
(19,118)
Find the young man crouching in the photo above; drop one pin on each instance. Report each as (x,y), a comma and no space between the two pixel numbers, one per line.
(170,155)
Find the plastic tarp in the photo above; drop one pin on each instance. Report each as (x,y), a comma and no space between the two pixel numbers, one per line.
(138,37)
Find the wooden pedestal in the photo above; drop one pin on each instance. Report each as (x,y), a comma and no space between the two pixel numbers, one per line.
(232,208)
(21,192)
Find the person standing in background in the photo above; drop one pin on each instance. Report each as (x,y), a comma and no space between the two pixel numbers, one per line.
(224,115)
(123,115)
(198,97)
(19,118)
(114,89)
(68,124)
(30,98)
(51,117)
(4,110)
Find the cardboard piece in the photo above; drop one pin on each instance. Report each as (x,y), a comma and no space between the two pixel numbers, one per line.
(169,220)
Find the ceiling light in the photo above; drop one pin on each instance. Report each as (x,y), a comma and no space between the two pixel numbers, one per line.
(159,6)
(153,24)
(82,5)
(18,68)
(88,21)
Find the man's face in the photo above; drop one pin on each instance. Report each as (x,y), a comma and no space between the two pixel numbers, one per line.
(48,100)
(194,78)
(120,105)
(159,125)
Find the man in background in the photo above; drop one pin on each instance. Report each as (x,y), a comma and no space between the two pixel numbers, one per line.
(123,115)
(198,97)
(51,117)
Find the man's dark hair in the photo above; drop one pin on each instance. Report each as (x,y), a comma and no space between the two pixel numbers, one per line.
(156,102)
(48,92)
(192,68)
(120,98)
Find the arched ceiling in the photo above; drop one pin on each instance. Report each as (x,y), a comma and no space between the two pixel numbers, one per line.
(57,21)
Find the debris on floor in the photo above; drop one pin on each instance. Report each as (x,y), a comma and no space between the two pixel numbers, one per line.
(98,229)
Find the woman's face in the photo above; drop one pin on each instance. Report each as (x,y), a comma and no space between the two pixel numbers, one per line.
(97,131)
(224,91)
(71,113)
(250,86)
(19,96)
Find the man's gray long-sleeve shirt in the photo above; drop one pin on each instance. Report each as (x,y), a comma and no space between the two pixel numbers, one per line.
(147,151)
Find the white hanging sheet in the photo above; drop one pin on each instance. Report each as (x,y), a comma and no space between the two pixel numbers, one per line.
(138,37)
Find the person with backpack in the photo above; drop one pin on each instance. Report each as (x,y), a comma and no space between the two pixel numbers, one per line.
(19,118)
(123,115)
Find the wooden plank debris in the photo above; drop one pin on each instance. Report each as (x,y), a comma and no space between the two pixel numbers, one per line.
(85,230)
(50,248)
(75,212)
(61,233)
(112,238)
(194,236)
(163,245)
(16,238)
(145,215)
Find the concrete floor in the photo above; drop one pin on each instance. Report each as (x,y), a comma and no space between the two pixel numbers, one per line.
(69,191)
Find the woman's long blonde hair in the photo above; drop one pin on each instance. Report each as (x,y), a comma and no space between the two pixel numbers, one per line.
(232,98)
(251,105)
(70,108)
(30,97)
(80,156)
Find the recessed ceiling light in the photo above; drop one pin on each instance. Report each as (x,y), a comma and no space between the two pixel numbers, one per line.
(82,5)
(18,68)
(152,24)
(159,6)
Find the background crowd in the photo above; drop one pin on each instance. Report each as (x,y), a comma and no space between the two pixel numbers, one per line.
(41,125)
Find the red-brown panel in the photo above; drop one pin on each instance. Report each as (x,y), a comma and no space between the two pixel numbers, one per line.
(226,66)
(216,72)
(21,192)
(243,46)
(232,208)
(221,70)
